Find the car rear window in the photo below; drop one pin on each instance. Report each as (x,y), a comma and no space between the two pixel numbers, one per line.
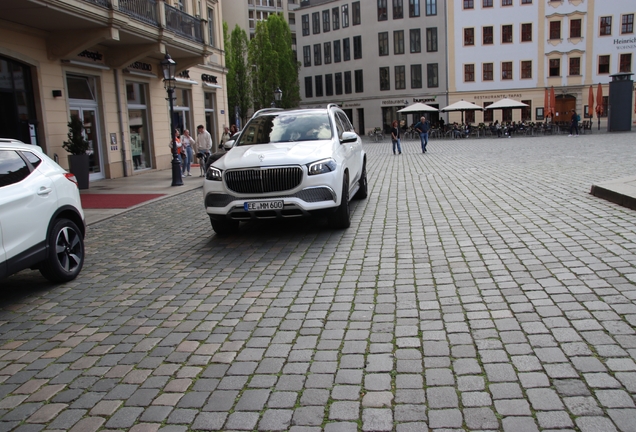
(286,127)
(13,169)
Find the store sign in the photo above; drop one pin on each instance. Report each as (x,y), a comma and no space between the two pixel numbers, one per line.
(499,96)
(96,56)
(625,44)
(395,102)
(424,100)
(208,78)
(184,74)
(350,105)
(146,67)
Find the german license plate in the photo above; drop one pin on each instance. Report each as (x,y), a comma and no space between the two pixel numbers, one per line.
(263,205)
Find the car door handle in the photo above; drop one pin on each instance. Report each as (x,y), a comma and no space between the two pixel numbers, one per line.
(45,190)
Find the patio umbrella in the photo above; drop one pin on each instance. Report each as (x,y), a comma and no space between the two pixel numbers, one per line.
(546,102)
(417,107)
(590,102)
(552,103)
(506,103)
(462,106)
(599,104)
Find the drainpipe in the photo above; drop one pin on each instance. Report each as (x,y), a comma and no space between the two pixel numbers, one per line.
(121,123)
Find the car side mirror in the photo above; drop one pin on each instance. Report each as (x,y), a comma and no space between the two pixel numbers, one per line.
(227,145)
(348,137)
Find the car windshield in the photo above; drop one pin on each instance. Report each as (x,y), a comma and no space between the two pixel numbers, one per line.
(285,127)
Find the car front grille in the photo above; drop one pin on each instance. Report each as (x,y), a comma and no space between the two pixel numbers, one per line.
(263,180)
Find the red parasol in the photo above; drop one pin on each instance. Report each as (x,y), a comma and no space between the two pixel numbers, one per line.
(546,102)
(552,102)
(599,100)
(590,103)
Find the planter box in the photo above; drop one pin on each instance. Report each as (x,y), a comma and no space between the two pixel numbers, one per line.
(78,166)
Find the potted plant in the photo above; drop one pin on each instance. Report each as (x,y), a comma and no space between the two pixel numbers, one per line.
(77,145)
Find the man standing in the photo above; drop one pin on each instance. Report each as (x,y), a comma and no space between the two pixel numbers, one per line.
(422,128)
(574,123)
(204,140)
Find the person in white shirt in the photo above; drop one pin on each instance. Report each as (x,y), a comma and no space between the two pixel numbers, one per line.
(204,140)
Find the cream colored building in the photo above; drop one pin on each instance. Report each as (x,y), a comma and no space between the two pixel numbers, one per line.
(100,59)
(519,48)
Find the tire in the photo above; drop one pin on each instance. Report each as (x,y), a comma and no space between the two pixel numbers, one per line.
(65,252)
(341,218)
(224,227)
(363,190)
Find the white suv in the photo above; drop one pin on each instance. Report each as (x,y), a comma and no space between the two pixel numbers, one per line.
(285,164)
(41,218)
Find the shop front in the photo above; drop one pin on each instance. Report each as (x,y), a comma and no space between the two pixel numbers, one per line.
(18,117)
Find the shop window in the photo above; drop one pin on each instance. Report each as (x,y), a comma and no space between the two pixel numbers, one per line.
(488,114)
(526,112)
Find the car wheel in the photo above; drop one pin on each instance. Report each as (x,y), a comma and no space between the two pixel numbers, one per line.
(66,252)
(363,190)
(224,227)
(341,218)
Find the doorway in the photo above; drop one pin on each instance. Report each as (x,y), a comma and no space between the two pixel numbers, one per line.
(17,103)
(564,104)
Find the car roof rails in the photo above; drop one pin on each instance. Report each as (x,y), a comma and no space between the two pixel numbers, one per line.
(266,110)
(333,105)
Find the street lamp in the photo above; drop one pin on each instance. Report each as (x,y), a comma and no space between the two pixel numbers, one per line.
(168,67)
(278,95)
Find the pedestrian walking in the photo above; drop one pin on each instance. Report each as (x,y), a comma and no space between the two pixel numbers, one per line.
(395,137)
(225,136)
(574,123)
(204,140)
(187,144)
(422,127)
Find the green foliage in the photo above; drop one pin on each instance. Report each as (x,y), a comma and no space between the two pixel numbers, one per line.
(76,144)
(287,74)
(264,61)
(239,90)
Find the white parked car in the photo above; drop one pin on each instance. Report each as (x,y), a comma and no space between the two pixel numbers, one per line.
(41,218)
(288,163)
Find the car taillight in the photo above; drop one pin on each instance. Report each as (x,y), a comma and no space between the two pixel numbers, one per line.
(71,177)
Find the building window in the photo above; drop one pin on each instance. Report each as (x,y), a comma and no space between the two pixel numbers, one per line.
(345,16)
(526,112)
(606,26)
(506,33)
(603,64)
(327,50)
(307,56)
(526,1)
(398,42)
(488,38)
(317,55)
(338,79)
(469,36)
(575,28)
(625,63)
(347,82)
(308,87)
(398,9)
(469,4)
(328,85)
(400,77)
(355,13)
(357,47)
(315,19)
(487,4)
(211,30)
(318,79)
(575,66)
(416,76)
(555,30)
(325,21)
(555,68)
(359,81)
(414,8)
(383,43)
(305,24)
(335,18)
(382,10)
(506,2)
(431,7)
(431,39)
(526,69)
(336,51)
(506,70)
(488,114)
(487,72)
(526,32)
(385,79)
(346,47)
(415,39)
(431,75)
(627,24)
(469,73)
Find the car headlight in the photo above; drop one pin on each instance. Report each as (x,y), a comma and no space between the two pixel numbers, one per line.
(321,166)
(214,174)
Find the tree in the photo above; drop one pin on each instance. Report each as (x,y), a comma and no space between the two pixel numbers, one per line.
(264,61)
(287,74)
(239,89)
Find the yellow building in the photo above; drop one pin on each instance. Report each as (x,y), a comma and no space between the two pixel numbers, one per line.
(100,59)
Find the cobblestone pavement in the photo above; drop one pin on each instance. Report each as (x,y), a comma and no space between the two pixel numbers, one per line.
(480,287)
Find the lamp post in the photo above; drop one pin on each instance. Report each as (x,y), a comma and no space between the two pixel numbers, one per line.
(278,95)
(168,67)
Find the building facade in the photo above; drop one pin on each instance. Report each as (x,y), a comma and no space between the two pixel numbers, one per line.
(100,59)
(520,48)
(373,60)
